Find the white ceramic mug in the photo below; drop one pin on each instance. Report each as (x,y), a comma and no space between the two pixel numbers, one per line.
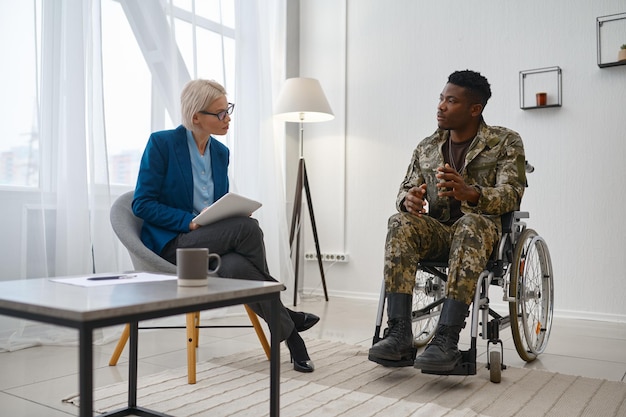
(192,266)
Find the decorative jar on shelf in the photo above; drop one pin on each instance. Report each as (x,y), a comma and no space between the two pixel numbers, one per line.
(621,56)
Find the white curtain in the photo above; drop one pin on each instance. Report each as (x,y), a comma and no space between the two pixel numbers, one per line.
(258,152)
(69,231)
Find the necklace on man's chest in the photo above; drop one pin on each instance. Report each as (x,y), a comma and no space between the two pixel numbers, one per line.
(461,156)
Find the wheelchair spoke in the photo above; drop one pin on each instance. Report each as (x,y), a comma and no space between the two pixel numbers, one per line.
(428,295)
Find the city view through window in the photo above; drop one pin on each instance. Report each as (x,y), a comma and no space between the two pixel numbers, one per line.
(131,109)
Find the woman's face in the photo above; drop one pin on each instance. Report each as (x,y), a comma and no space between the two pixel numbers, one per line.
(206,121)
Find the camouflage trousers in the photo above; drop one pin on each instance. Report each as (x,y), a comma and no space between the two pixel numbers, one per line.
(467,245)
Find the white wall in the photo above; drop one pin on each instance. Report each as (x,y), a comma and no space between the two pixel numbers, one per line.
(383,65)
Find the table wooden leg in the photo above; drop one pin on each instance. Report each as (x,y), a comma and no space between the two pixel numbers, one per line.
(191,347)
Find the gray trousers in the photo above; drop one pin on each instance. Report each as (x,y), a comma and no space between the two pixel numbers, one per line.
(239,242)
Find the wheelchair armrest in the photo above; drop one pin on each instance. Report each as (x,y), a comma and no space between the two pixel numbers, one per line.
(508,219)
(433,264)
(521,214)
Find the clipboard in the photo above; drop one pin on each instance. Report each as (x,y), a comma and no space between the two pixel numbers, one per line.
(229,205)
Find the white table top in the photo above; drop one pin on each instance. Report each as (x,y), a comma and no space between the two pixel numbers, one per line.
(41,296)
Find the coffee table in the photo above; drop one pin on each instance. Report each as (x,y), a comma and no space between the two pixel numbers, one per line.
(88,308)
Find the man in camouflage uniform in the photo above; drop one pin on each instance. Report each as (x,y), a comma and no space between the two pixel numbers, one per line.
(460,181)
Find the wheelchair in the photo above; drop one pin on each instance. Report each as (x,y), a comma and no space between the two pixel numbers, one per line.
(521,266)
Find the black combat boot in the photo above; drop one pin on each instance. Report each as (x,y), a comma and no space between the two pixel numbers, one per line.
(442,353)
(398,344)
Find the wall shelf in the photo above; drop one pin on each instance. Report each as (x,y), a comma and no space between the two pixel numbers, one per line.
(546,80)
(610,35)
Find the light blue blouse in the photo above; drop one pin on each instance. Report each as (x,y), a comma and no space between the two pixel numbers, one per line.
(203,187)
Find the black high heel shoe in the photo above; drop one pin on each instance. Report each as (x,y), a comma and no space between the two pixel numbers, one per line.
(299,355)
(303,321)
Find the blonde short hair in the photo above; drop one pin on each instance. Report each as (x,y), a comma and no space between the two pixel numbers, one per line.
(198,95)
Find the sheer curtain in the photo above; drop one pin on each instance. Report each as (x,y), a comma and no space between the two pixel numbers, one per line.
(68,230)
(258,152)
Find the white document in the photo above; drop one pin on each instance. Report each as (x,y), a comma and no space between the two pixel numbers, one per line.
(230,205)
(97,280)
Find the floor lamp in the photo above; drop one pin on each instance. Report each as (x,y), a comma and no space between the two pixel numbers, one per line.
(302,100)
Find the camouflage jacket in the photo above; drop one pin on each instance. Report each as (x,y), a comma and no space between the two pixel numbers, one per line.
(495,165)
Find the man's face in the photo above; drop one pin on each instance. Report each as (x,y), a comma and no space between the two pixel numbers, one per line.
(455,111)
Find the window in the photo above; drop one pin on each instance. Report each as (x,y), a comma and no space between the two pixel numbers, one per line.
(19,142)
(132,105)
(127,95)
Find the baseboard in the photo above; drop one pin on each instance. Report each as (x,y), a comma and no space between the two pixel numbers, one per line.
(318,292)
(559,313)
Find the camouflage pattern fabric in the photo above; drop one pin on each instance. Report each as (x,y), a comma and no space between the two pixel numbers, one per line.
(495,166)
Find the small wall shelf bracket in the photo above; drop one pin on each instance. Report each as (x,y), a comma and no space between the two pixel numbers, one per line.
(540,80)
(610,36)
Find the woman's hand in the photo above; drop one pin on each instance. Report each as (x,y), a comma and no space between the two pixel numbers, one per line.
(194,226)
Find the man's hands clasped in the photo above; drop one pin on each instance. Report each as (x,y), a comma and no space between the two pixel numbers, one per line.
(451,184)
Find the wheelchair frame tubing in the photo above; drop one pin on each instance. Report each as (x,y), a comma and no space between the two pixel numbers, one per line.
(379,315)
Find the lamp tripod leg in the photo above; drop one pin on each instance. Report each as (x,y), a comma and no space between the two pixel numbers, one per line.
(307,190)
(295,224)
(302,182)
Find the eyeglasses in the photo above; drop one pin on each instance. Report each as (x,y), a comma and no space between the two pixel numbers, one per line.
(221,115)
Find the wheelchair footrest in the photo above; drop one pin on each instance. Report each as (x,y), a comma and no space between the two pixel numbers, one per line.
(405,361)
(466,366)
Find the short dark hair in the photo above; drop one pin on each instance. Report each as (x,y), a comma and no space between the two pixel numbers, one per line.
(476,84)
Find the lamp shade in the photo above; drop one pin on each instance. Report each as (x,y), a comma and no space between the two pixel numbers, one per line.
(302,100)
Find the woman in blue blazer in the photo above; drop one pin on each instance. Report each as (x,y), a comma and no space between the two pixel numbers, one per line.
(185,170)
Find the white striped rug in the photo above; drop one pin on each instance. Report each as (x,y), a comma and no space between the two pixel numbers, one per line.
(346,384)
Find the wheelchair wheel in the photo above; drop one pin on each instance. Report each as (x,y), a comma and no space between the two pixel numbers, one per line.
(428,289)
(533,289)
(495,367)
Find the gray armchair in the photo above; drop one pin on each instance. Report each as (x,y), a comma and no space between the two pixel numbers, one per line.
(127,227)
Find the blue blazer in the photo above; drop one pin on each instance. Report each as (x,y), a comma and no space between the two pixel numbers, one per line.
(164,193)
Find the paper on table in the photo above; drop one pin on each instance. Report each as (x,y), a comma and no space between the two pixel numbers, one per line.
(97,280)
